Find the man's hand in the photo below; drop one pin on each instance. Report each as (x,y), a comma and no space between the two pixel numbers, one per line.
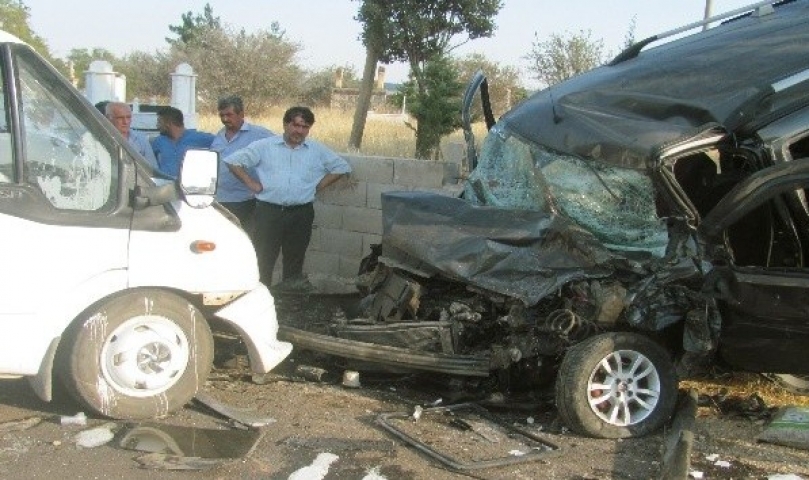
(254,185)
(239,172)
(327,180)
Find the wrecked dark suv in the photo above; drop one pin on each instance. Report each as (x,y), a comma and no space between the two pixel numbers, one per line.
(618,231)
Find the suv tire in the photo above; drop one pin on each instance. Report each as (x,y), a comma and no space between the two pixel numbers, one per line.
(616,385)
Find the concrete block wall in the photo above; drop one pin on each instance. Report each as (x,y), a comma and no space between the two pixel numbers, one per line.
(348,216)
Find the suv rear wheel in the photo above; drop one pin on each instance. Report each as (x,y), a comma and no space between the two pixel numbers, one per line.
(616,385)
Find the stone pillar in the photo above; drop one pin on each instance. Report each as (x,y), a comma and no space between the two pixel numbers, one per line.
(119,87)
(100,83)
(184,93)
(338,78)
(146,121)
(71,71)
(380,78)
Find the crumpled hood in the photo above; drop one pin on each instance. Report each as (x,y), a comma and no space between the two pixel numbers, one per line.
(523,254)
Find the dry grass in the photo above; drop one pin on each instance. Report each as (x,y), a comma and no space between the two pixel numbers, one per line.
(743,385)
(382,137)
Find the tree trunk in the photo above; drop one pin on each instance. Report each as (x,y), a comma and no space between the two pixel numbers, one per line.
(425,144)
(424,141)
(363,99)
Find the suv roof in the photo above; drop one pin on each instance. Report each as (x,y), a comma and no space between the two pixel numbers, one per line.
(622,112)
(6,37)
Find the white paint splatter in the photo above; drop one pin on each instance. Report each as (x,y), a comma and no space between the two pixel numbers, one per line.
(148,305)
(193,354)
(373,474)
(95,437)
(317,470)
(80,175)
(97,325)
(106,395)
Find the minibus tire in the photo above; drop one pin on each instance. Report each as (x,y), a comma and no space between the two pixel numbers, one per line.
(140,354)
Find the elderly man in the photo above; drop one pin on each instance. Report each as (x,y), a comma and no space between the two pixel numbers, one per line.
(120,115)
(291,169)
(236,134)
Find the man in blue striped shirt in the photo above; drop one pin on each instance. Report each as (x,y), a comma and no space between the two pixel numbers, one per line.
(291,169)
(236,134)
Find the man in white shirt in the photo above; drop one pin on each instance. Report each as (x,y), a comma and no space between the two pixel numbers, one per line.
(291,169)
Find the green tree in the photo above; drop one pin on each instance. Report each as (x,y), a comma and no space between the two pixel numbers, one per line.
(629,36)
(564,55)
(192,23)
(438,105)
(418,32)
(14,19)
(259,66)
(505,89)
(147,75)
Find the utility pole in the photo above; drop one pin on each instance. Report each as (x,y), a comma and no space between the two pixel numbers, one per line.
(708,9)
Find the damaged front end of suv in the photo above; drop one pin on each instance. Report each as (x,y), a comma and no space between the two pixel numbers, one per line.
(613,231)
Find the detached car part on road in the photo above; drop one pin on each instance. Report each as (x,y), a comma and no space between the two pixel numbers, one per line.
(620,230)
(113,274)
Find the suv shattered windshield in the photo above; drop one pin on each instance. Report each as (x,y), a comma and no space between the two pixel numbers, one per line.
(616,204)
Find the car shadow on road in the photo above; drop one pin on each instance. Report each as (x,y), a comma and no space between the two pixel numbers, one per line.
(19,395)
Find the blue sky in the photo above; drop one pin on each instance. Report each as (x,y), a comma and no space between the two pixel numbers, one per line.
(328,33)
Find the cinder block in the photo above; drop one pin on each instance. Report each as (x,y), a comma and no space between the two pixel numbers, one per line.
(420,173)
(452,173)
(367,241)
(341,242)
(348,217)
(371,169)
(321,262)
(354,194)
(349,267)
(375,191)
(314,243)
(453,152)
(328,216)
(363,220)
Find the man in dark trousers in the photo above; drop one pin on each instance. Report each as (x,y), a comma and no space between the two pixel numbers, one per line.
(291,169)
(235,134)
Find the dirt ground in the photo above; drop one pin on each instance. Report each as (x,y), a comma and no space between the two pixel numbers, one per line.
(308,419)
(311,418)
